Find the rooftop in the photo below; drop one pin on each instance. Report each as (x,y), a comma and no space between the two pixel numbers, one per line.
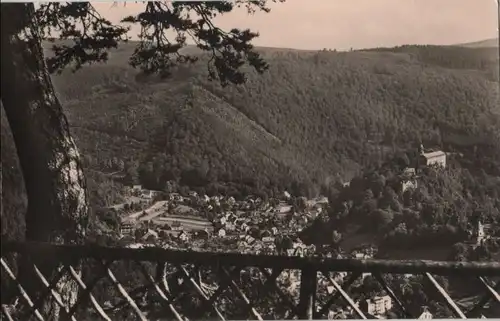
(438,153)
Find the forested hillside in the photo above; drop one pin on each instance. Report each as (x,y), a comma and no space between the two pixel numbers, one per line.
(442,207)
(314,119)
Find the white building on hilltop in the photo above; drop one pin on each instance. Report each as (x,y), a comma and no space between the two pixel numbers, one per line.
(431,158)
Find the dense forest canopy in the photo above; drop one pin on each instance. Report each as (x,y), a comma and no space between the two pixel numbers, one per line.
(313,120)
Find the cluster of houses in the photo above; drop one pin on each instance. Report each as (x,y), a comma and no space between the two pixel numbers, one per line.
(252,225)
(259,227)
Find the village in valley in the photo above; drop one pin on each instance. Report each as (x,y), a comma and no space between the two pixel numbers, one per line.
(253,225)
(246,226)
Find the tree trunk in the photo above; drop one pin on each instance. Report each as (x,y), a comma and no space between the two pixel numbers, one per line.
(50,162)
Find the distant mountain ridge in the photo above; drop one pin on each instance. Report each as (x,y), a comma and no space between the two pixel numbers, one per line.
(487,43)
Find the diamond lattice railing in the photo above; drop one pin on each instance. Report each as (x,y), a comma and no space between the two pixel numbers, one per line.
(91,282)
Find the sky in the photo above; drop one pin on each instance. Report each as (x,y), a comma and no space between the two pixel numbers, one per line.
(345,24)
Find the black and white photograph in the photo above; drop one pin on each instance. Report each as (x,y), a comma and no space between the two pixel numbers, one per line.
(250,160)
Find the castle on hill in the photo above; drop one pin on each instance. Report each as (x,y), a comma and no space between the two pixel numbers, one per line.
(431,158)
